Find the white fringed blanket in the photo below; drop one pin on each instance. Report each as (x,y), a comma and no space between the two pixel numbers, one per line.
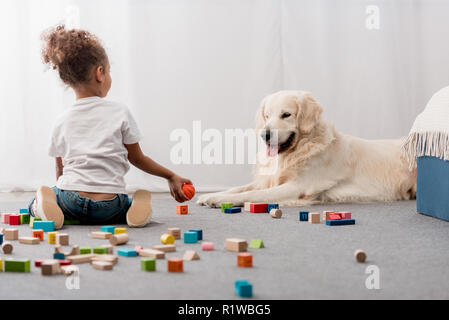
(429,135)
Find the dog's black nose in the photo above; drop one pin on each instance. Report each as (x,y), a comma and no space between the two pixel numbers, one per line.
(266,135)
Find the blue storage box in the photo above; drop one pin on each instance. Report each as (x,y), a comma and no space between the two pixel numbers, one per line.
(432,193)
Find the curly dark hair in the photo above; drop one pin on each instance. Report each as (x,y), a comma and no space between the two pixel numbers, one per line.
(74,53)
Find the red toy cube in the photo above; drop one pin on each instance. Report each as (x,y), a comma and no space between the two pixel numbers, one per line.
(38,233)
(175,265)
(245,259)
(14,219)
(334,216)
(345,215)
(258,207)
(182,209)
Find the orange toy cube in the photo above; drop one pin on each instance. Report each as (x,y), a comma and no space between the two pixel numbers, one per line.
(245,259)
(188,190)
(38,233)
(175,265)
(182,209)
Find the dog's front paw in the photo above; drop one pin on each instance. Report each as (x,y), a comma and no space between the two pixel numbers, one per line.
(214,200)
(207,200)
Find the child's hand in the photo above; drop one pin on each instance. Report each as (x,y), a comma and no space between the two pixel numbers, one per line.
(175,183)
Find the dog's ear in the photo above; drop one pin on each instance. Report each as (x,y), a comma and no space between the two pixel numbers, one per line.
(260,116)
(309,113)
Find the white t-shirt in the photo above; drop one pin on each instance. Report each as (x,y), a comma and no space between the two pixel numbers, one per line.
(90,138)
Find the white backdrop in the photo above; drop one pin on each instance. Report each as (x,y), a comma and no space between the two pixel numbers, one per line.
(176,61)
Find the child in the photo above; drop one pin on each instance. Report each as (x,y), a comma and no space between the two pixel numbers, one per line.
(92,142)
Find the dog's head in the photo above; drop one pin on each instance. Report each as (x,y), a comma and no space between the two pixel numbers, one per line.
(284,117)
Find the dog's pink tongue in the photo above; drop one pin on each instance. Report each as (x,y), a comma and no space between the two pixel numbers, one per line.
(273,150)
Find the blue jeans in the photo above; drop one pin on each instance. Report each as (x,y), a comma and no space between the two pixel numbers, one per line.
(88,211)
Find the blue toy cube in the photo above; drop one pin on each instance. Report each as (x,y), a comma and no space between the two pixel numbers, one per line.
(233,210)
(44,225)
(199,233)
(243,288)
(272,206)
(24,210)
(303,215)
(108,229)
(1,238)
(340,222)
(432,193)
(59,256)
(190,237)
(126,252)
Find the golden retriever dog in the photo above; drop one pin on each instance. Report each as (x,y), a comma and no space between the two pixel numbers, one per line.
(313,163)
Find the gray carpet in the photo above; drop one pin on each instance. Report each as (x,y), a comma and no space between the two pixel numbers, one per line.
(299,261)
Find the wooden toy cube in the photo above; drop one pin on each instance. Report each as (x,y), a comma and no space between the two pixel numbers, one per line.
(119,230)
(182,209)
(303,215)
(108,229)
(256,244)
(233,210)
(5,218)
(52,237)
(100,250)
(62,239)
(345,214)
(167,239)
(190,237)
(175,232)
(236,245)
(24,218)
(175,265)
(244,259)
(44,225)
(247,206)
(259,207)
(50,267)
(11,234)
(207,246)
(127,252)
(14,219)
(58,256)
(333,216)
(151,253)
(102,265)
(148,264)
(226,205)
(340,222)
(85,250)
(17,265)
(38,233)
(199,232)
(29,240)
(243,288)
(314,217)
(100,235)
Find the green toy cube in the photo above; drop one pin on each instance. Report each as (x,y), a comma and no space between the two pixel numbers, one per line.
(17,265)
(85,250)
(24,218)
(225,205)
(32,219)
(100,250)
(148,264)
(256,244)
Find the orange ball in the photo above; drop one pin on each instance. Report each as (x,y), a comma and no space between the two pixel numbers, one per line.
(189,190)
